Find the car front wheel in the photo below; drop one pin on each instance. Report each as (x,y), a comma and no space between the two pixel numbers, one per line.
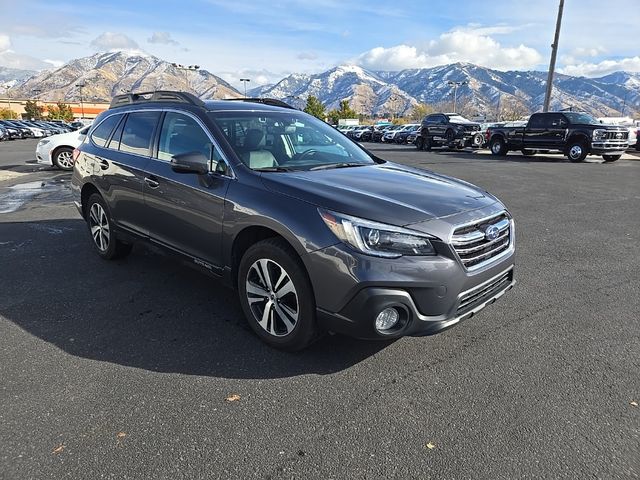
(63,158)
(276,295)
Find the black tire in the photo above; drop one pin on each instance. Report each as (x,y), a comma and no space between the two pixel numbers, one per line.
(498,147)
(276,254)
(106,242)
(576,151)
(426,144)
(419,143)
(63,158)
(528,153)
(611,158)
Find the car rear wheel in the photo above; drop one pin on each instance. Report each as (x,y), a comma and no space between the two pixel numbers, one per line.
(576,152)
(63,158)
(498,147)
(101,230)
(276,295)
(611,158)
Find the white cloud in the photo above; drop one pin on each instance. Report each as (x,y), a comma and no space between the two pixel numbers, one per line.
(163,38)
(454,46)
(11,59)
(55,63)
(307,56)
(5,43)
(110,40)
(605,67)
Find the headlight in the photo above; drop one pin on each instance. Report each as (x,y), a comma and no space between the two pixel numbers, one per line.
(599,134)
(43,142)
(375,238)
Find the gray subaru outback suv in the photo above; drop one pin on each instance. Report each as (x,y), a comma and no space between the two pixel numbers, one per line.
(313,231)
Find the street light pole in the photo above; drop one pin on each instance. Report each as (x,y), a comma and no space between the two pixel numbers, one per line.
(455,86)
(245,81)
(552,63)
(81,100)
(186,70)
(6,92)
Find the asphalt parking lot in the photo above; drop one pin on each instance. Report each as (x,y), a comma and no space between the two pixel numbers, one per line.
(125,369)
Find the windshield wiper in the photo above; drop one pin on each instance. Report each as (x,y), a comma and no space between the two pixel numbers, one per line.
(337,165)
(274,169)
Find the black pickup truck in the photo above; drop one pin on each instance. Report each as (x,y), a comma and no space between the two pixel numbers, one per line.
(448,130)
(574,134)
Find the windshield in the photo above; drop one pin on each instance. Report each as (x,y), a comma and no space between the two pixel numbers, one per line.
(581,118)
(292,140)
(458,119)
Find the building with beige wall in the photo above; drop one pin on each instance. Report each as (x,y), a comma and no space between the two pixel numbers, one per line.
(80,110)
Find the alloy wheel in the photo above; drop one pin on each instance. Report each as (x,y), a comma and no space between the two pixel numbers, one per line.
(65,159)
(99,226)
(272,297)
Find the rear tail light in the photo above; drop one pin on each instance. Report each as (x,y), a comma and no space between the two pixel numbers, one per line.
(76,154)
(487,134)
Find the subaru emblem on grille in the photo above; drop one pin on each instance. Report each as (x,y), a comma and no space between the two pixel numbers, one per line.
(491,232)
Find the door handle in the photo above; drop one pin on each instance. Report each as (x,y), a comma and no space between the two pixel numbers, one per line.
(151,182)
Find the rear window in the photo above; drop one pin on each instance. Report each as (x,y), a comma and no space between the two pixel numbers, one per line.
(103,131)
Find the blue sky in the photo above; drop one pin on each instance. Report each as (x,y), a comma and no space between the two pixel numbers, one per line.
(265,40)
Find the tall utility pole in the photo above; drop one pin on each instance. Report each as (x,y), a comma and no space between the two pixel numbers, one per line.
(36,92)
(552,63)
(455,86)
(245,81)
(81,100)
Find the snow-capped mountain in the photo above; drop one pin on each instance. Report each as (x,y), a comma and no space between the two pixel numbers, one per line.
(10,77)
(107,74)
(484,92)
(365,90)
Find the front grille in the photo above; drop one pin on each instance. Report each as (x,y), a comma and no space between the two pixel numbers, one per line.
(475,247)
(613,135)
(478,295)
(472,128)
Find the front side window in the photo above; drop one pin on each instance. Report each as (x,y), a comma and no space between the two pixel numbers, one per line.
(137,132)
(182,134)
(289,140)
(103,131)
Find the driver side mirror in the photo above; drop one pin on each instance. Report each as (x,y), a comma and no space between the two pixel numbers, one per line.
(191,162)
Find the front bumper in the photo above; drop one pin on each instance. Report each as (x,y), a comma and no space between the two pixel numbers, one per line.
(430,293)
(357,318)
(609,147)
(43,155)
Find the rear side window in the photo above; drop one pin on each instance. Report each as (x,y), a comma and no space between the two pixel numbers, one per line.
(103,131)
(537,121)
(137,132)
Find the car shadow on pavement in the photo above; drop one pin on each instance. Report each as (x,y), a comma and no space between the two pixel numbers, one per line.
(147,311)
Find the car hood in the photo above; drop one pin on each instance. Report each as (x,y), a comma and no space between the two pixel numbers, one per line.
(388,193)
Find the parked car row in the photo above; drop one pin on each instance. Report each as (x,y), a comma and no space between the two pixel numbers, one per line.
(384,133)
(19,129)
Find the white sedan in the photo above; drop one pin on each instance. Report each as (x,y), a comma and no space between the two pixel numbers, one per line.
(57,150)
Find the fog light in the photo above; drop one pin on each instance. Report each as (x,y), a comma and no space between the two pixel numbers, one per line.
(387,319)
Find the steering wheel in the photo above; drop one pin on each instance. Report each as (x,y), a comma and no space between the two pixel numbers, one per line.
(307,153)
